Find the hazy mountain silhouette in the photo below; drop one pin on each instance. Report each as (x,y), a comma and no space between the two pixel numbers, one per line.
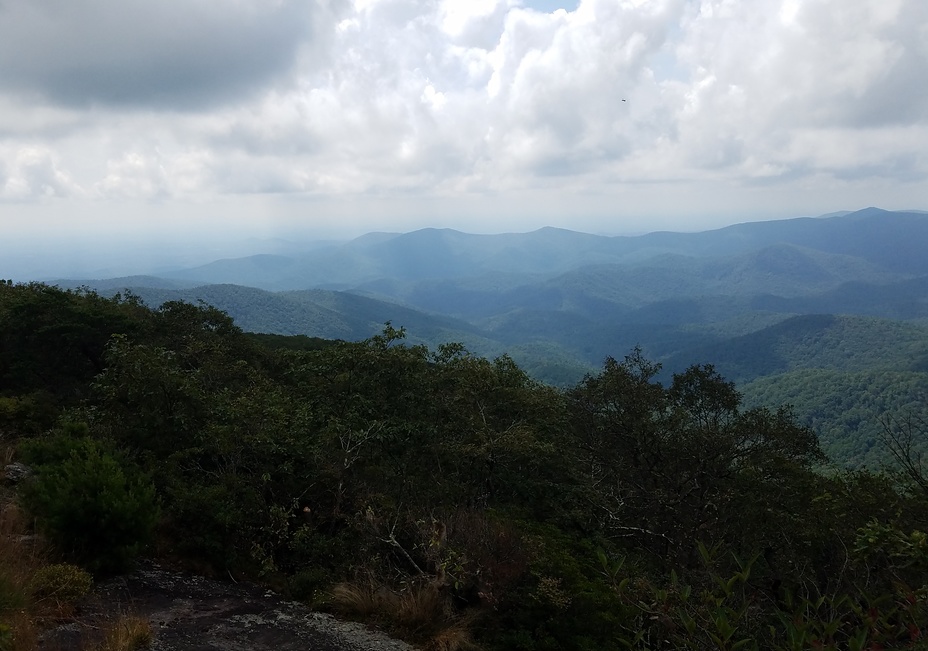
(578,297)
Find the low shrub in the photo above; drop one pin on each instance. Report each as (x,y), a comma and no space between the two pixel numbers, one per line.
(91,504)
(60,582)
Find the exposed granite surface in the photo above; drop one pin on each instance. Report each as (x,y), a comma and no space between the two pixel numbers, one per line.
(14,473)
(191,613)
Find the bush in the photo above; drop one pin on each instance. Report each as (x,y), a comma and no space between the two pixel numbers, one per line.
(60,582)
(93,505)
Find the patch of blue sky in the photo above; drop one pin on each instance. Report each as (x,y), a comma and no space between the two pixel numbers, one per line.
(550,6)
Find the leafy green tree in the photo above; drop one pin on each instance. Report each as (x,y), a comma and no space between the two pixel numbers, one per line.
(667,464)
(54,340)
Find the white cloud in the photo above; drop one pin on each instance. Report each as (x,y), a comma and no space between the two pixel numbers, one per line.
(766,78)
(476,22)
(31,173)
(135,176)
(170,53)
(333,99)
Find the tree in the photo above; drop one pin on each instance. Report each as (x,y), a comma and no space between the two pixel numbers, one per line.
(905,437)
(54,340)
(666,465)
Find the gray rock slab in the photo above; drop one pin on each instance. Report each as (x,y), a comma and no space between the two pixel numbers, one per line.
(192,613)
(16,472)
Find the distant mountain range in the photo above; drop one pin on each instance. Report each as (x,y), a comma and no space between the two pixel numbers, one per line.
(888,240)
(845,293)
(579,296)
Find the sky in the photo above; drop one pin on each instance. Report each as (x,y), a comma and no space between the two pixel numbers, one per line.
(208,119)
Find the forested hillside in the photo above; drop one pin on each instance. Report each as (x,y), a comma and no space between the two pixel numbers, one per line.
(843,376)
(450,498)
(822,341)
(848,409)
(845,293)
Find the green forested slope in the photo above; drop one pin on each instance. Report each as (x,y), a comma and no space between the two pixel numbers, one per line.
(847,295)
(848,410)
(320,313)
(447,497)
(904,299)
(841,343)
(842,375)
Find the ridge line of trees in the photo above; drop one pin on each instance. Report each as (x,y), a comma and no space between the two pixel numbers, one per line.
(368,476)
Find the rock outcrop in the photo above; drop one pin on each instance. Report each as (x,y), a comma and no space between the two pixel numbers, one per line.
(191,613)
(16,472)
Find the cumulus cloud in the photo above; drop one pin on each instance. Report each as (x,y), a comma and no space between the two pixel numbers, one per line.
(463,95)
(135,176)
(454,99)
(492,95)
(30,173)
(170,54)
(767,76)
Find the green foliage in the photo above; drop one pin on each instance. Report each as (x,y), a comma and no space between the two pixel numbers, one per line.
(53,340)
(292,342)
(904,554)
(620,512)
(71,437)
(92,504)
(847,409)
(721,613)
(668,465)
(27,414)
(847,344)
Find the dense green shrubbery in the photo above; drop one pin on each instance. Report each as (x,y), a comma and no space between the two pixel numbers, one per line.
(89,500)
(618,513)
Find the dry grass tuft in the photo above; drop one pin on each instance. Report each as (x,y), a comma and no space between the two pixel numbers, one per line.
(128,633)
(356,600)
(455,637)
(421,613)
(54,589)
(421,607)
(31,591)
(17,548)
(20,557)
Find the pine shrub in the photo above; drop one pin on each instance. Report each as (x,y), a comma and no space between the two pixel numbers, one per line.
(93,505)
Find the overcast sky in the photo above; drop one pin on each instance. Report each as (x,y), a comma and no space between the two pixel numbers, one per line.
(345,116)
